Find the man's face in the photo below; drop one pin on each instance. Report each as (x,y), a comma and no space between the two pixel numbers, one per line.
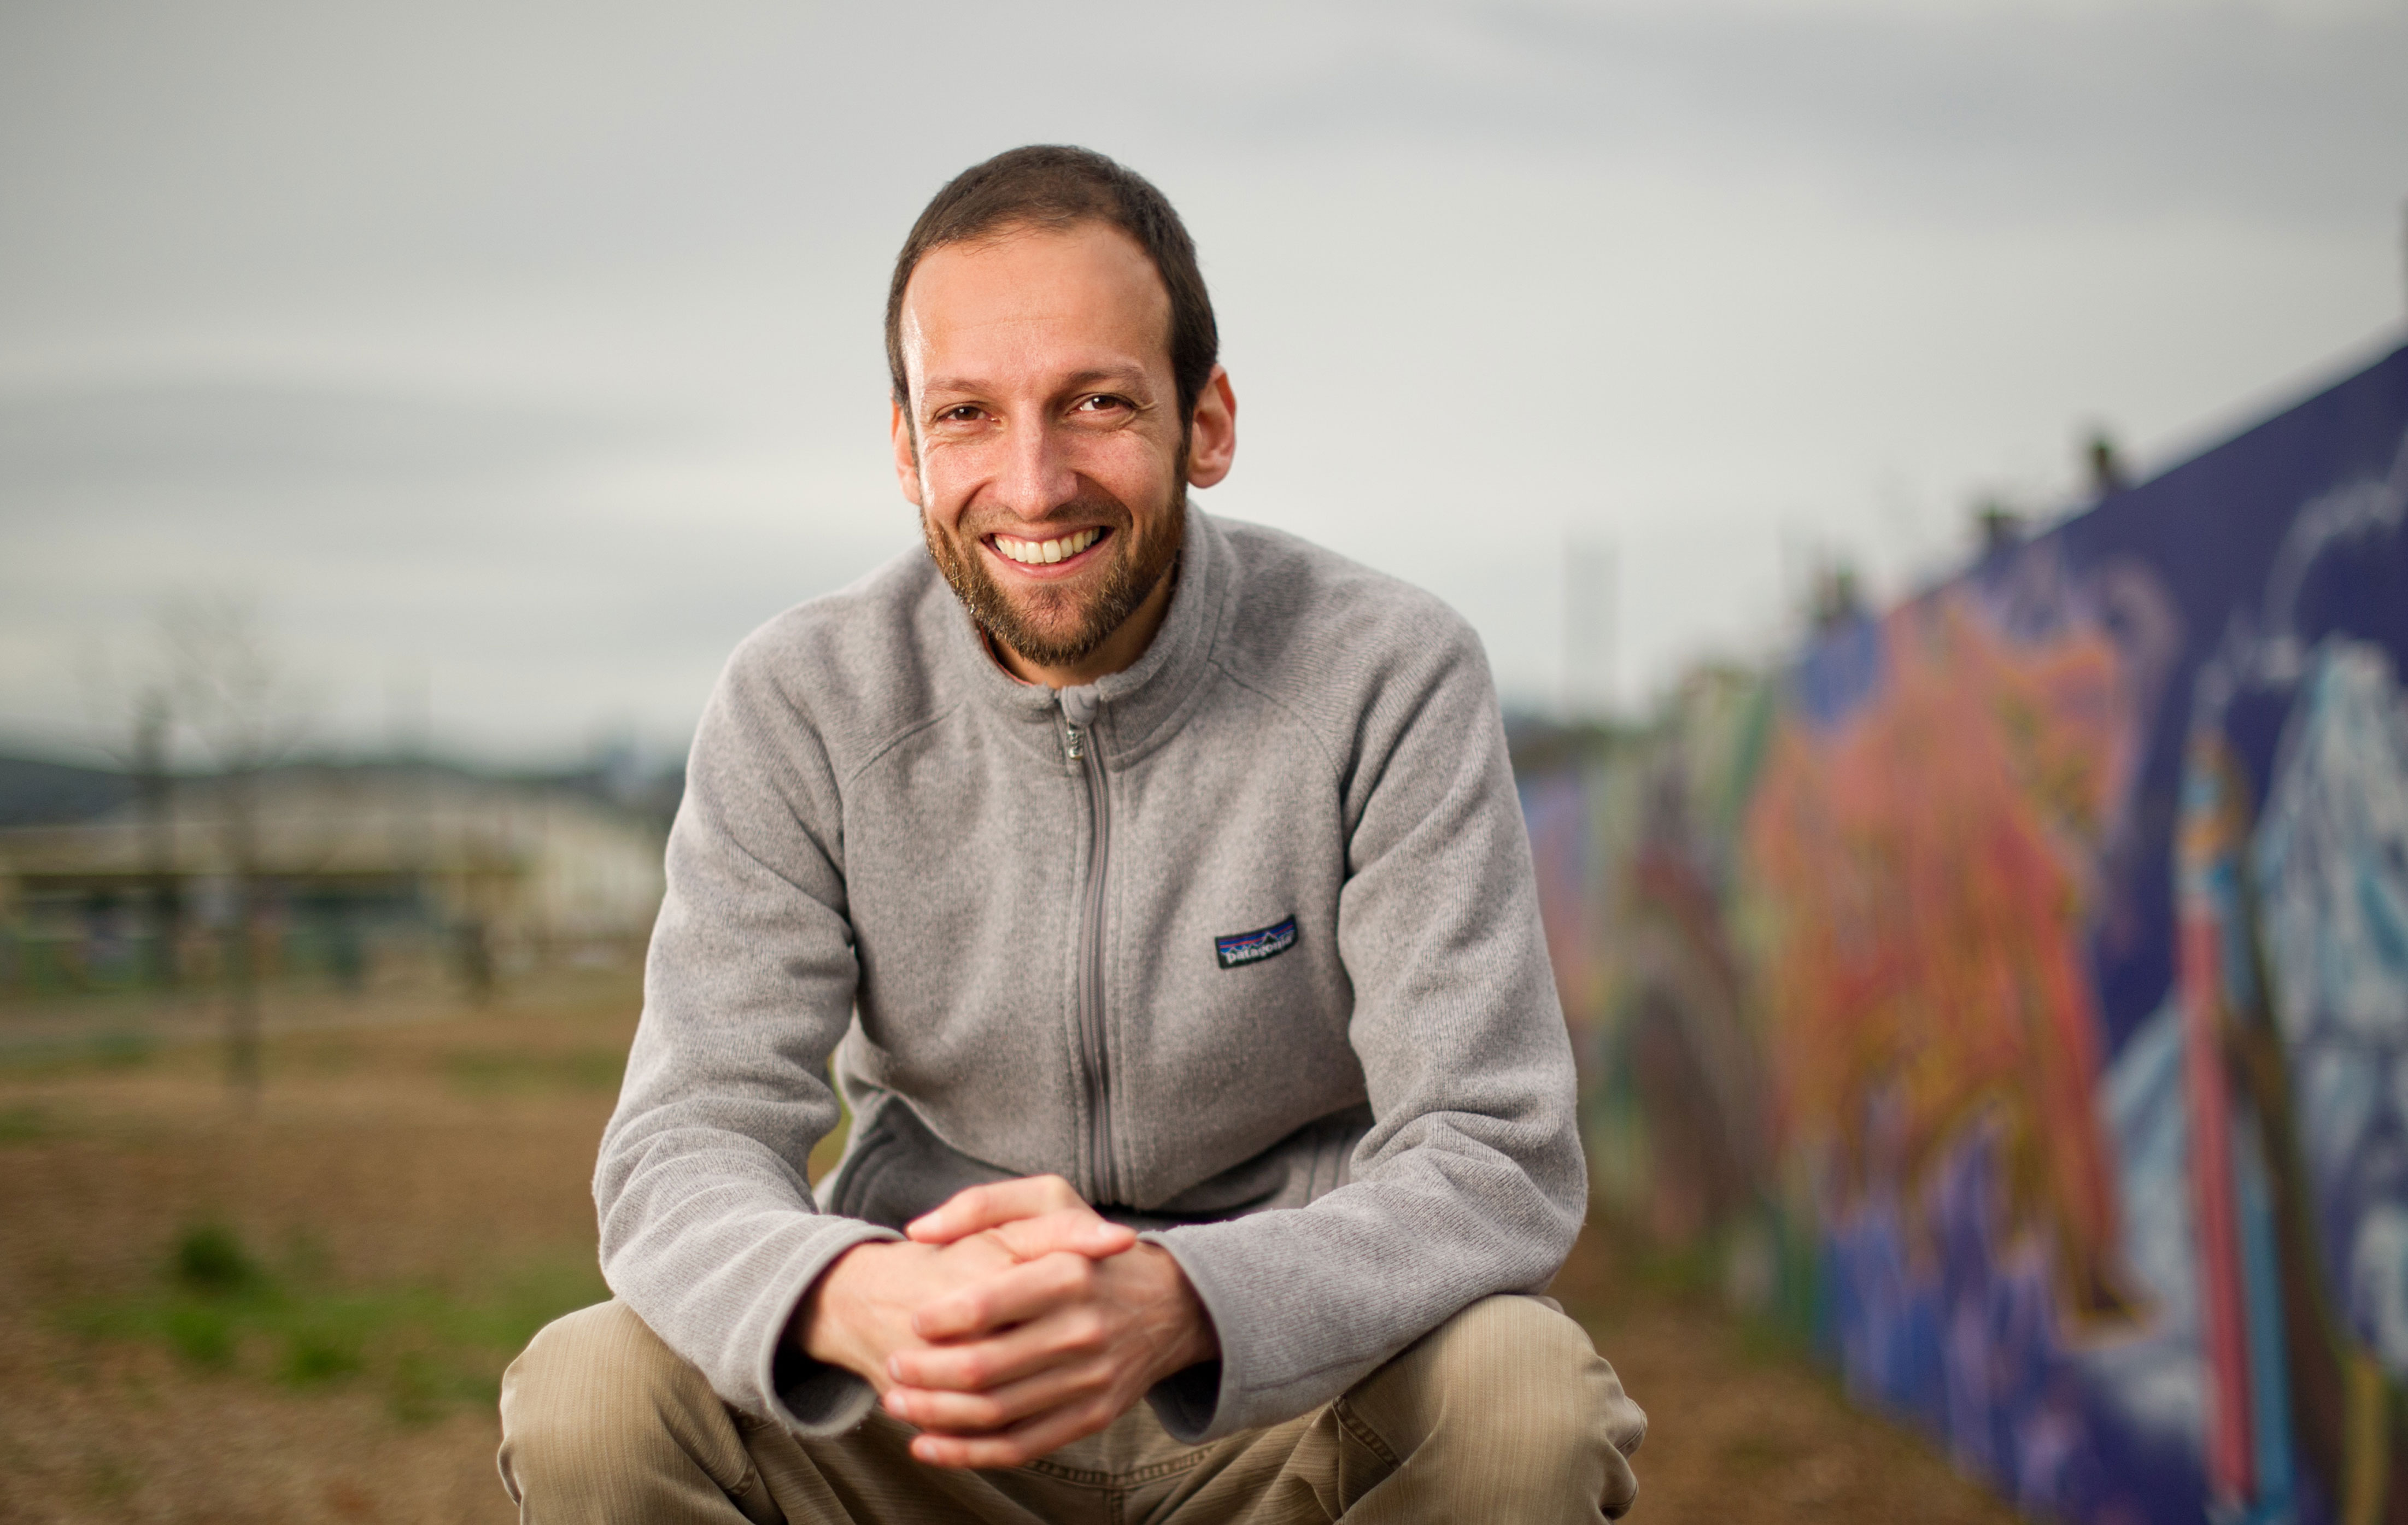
(1043,443)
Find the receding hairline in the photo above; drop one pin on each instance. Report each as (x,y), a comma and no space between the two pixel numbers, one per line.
(1052,187)
(1021,227)
(1033,226)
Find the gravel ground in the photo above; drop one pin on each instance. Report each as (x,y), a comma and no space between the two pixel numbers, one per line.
(405,1199)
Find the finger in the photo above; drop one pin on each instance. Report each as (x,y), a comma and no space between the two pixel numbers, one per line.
(998,1408)
(977,1207)
(1013,1295)
(1022,1442)
(1077,1230)
(1066,1336)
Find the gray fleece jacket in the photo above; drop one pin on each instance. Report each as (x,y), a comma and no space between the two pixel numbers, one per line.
(1243,942)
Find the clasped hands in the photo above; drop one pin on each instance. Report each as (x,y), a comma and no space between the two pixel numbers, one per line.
(1013,1320)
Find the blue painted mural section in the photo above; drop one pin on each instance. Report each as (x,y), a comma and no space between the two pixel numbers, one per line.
(2027,968)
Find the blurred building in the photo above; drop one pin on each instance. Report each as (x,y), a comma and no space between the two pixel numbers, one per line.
(342,870)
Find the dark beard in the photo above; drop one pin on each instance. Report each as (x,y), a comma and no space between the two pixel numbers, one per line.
(1127,583)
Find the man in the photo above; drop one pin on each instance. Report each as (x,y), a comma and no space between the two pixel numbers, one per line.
(1159,888)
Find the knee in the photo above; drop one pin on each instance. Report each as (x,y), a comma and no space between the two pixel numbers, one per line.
(593,1392)
(1522,1363)
(1514,1377)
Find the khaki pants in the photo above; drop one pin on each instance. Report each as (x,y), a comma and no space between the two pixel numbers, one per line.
(1504,1413)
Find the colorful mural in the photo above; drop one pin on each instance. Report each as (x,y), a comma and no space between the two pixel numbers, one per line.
(2013,990)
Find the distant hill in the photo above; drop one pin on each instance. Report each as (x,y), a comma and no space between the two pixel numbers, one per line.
(36,791)
(38,794)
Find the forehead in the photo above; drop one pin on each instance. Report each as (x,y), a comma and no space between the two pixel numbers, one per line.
(1033,301)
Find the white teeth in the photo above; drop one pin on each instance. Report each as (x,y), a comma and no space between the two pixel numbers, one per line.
(1033,553)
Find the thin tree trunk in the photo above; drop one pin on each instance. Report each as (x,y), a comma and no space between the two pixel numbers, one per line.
(151,781)
(242,963)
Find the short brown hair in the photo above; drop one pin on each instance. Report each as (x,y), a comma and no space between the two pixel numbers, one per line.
(1049,185)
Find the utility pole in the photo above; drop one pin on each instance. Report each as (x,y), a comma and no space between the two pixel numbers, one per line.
(233,692)
(410,723)
(1590,610)
(154,791)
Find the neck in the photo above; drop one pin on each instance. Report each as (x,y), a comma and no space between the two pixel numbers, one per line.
(1117,652)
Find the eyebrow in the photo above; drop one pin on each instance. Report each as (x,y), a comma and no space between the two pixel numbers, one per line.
(1121,376)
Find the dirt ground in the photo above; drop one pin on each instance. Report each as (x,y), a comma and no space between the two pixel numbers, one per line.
(297,1311)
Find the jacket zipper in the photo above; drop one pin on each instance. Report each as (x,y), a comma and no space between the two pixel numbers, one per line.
(1075,742)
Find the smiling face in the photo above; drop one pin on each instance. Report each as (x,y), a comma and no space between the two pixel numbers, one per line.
(1043,444)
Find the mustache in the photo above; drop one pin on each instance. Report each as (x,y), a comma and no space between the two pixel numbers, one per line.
(1093,506)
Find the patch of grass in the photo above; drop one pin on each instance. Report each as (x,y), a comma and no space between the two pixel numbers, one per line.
(51,1056)
(1753,1455)
(830,1149)
(319,1053)
(23,1123)
(312,1356)
(125,1050)
(209,1260)
(110,1479)
(482,1071)
(220,1308)
(201,1333)
(1682,1273)
(1763,1341)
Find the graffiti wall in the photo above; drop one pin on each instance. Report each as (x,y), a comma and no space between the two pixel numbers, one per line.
(2013,990)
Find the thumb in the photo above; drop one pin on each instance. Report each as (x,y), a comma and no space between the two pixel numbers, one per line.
(1077,1230)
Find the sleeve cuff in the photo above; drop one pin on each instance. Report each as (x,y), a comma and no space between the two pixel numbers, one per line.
(1189,1402)
(1185,1401)
(818,1400)
(812,1398)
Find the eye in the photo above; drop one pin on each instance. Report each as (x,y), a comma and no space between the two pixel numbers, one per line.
(1101,402)
(959,413)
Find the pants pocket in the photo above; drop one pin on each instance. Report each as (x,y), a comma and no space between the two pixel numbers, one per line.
(1364,1459)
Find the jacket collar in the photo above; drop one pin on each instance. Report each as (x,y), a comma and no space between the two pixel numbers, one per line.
(1140,705)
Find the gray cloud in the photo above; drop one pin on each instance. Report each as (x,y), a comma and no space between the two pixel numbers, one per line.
(537,346)
(283,437)
(482,548)
(1998,114)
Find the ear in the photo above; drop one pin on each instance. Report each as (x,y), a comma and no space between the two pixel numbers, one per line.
(1212,435)
(907,457)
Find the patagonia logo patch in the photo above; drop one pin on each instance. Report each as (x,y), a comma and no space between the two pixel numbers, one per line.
(1254,947)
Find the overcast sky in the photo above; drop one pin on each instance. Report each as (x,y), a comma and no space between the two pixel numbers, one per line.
(524,357)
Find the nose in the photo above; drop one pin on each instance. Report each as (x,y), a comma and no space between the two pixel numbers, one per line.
(1038,475)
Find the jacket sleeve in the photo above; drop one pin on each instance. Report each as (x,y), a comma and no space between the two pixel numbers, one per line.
(709,1228)
(1472,1181)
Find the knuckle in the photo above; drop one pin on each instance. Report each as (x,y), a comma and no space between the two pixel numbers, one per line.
(978,1414)
(1073,1272)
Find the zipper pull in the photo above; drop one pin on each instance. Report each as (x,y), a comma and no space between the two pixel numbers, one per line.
(1078,712)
